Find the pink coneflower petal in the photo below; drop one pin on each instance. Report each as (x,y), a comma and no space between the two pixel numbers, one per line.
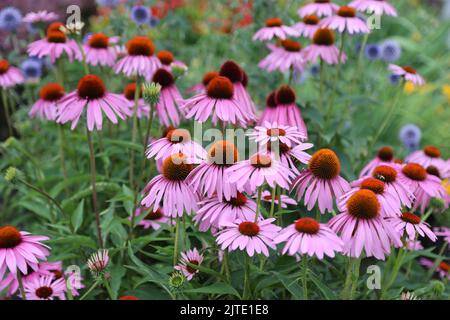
(192,257)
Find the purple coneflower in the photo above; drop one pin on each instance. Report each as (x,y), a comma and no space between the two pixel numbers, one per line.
(192,257)
(98,261)
(385,155)
(91,94)
(287,57)
(215,213)
(143,110)
(152,218)
(176,141)
(20,250)
(443,268)
(209,177)
(167,106)
(270,132)
(140,59)
(319,8)
(200,88)
(46,107)
(167,60)
(266,196)
(250,236)
(412,225)
(45,288)
(321,182)
(408,73)
(323,47)
(99,50)
(345,20)
(361,226)
(248,175)
(308,26)
(218,102)
(9,75)
(389,203)
(428,156)
(239,79)
(40,16)
(171,189)
(308,237)
(274,28)
(53,46)
(378,7)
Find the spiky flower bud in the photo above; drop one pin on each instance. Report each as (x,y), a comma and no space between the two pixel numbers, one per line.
(176,280)
(151,92)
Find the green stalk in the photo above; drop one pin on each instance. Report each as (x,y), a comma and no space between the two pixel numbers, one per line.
(20,280)
(62,156)
(351,279)
(438,261)
(7,115)
(175,248)
(336,81)
(395,269)
(96,283)
(246,294)
(272,204)
(94,187)
(387,120)
(305,276)
(227,266)
(132,156)
(258,204)
(108,287)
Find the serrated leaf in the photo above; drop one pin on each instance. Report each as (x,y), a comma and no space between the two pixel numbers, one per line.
(77,216)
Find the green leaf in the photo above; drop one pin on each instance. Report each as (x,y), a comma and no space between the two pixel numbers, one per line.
(326,291)
(217,288)
(117,273)
(77,216)
(291,285)
(75,241)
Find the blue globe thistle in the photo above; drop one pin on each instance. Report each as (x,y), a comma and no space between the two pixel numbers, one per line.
(10,18)
(153,22)
(108,3)
(372,51)
(394,79)
(390,50)
(410,135)
(31,68)
(141,14)
(314,70)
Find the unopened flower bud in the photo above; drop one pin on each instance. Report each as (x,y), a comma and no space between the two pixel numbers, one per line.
(151,92)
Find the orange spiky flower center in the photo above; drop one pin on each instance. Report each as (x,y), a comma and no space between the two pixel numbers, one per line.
(324,164)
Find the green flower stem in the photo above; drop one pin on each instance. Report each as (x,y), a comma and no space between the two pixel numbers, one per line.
(438,261)
(62,142)
(20,280)
(351,279)
(304,263)
(83,55)
(176,244)
(226,264)
(132,155)
(108,287)
(246,295)
(94,188)
(335,82)
(386,120)
(321,85)
(394,272)
(272,203)
(6,110)
(96,283)
(258,204)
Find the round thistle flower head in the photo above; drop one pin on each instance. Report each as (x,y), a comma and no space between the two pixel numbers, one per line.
(151,92)
(31,68)
(141,14)
(10,18)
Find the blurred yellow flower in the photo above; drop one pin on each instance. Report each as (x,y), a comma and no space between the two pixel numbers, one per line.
(409,87)
(416,36)
(446,185)
(446,91)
